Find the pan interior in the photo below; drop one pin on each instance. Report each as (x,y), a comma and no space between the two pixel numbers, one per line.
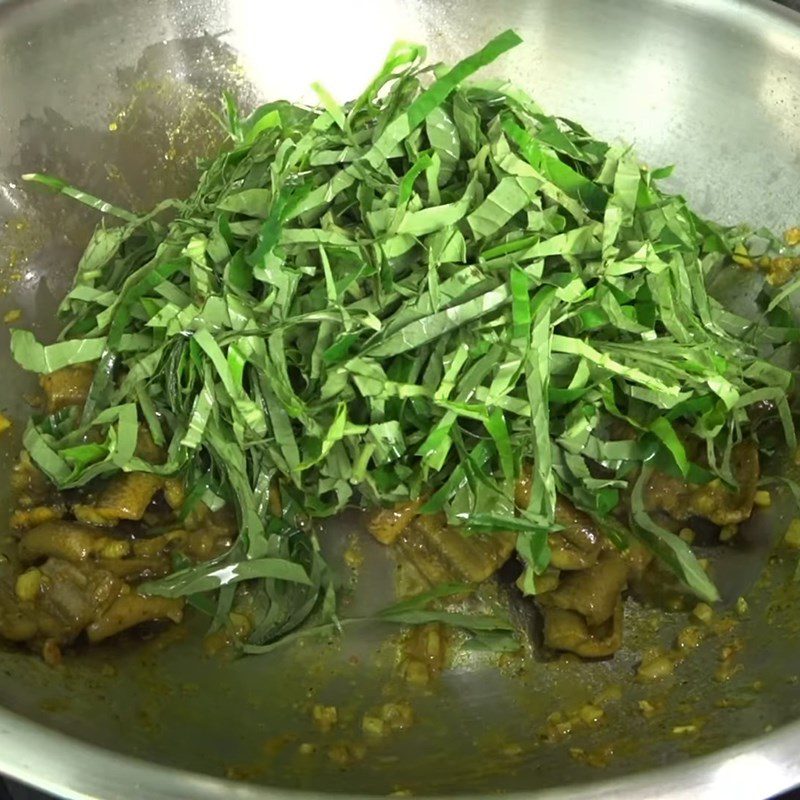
(120,101)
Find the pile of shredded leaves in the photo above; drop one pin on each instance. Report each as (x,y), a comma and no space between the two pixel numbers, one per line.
(409,295)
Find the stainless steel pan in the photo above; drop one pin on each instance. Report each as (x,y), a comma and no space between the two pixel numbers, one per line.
(114,95)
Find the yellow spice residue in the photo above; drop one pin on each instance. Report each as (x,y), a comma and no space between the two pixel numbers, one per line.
(14,315)
(28,584)
(792,536)
(325,718)
(762,498)
(354,555)
(390,717)
(792,236)
(778,269)
(5,423)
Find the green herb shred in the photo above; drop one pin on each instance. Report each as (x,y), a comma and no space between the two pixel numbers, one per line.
(409,294)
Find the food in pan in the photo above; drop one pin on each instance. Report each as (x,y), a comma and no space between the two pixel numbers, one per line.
(491,331)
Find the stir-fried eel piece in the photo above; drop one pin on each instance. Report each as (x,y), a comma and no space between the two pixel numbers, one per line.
(441,553)
(71,597)
(214,537)
(60,600)
(583,612)
(593,593)
(583,608)
(578,543)
(130,610)
(569,631)
(713,501)
(67,387)
(436,551)
(638,558)
(126,496)
(69,541)
(57,600)
(136,569)
(174,493)
(580,596)
(22,519)
(388,523)
(35,498)
(152,546)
